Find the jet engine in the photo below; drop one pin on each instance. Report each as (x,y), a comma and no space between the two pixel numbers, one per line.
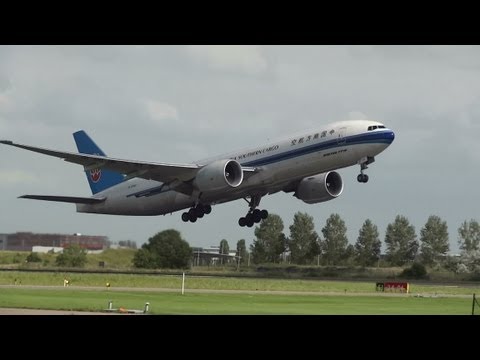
(320,188)
(219,175)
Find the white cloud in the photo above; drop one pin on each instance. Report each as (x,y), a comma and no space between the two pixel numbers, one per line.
(5,102)
(247,58)
(159,111)
(11,177)
(357,115)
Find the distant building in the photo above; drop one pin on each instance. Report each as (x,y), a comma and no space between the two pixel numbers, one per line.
(47,249)
(25,241)
(211,256)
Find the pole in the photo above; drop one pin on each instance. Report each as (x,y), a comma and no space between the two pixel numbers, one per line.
(248,260)
(473,305)
(183,284)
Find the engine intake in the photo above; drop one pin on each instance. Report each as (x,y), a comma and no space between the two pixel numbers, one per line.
(320,188)
(219,175)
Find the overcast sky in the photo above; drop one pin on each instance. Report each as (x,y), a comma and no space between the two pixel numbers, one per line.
(182,103)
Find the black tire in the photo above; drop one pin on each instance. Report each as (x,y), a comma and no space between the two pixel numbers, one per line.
(250,222)
(192,215)
(199,211)
(242,222)
(185,217)
(264,214)
(256,216)
(207,209)
(360,178)
(365,178)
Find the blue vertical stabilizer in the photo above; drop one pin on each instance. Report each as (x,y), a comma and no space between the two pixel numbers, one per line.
(99,179)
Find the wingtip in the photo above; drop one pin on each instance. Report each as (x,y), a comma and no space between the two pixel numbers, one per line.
(6,142)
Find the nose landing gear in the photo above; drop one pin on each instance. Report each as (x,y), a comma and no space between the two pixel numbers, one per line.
(363,162)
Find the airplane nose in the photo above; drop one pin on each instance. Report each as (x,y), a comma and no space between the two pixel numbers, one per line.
(391,136)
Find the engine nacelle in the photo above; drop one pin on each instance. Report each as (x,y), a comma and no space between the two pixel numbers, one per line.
(219,175)
(319,188)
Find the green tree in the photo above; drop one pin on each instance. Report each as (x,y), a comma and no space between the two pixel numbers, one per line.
(335,240)
(270,241)
(166,249)
(469,236)
(303,240)
(434,240)
(368,245)
(348,257)
(72,256)
(242,251)
(224,249)
(401,242)
(144,258)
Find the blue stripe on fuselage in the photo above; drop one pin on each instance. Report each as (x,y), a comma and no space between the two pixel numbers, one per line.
(382,137)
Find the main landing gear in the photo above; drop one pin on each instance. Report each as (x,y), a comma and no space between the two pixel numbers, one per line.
(254,215)
(363,178)
(196,212)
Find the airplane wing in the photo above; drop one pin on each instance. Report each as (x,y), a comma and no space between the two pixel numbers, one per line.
(176,176)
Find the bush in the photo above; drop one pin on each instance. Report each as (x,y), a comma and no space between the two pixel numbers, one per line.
(73,256)
(416,271)
(33,257)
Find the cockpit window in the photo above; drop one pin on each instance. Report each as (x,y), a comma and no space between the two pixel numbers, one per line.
(374,127)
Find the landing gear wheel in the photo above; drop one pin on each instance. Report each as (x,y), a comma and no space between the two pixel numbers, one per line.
(207,209)
(199,211)
(192,215)
(242,221)
(256,215)
(264,214)
(185,217)
(363,178)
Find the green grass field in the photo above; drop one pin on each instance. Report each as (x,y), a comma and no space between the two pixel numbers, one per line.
(193,303)
(323,297)
(218,283)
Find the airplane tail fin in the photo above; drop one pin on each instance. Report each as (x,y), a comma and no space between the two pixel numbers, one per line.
(98,179)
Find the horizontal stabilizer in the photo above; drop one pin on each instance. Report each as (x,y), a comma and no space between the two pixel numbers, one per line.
(67,199)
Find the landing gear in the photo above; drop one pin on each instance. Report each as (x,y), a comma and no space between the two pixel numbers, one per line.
(254,216)
(196,212)
(363,178)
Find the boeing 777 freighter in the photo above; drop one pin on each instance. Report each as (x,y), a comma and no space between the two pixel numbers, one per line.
(303,164)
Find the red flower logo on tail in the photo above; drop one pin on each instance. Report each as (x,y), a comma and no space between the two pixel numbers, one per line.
(95,175)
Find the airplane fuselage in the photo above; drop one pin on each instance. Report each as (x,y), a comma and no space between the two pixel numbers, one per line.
(281,164)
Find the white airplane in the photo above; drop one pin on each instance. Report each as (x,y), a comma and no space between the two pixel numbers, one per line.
(302,164)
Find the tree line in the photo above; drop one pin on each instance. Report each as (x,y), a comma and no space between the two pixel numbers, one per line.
(304,246)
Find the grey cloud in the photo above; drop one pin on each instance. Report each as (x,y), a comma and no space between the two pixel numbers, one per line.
(428,95)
